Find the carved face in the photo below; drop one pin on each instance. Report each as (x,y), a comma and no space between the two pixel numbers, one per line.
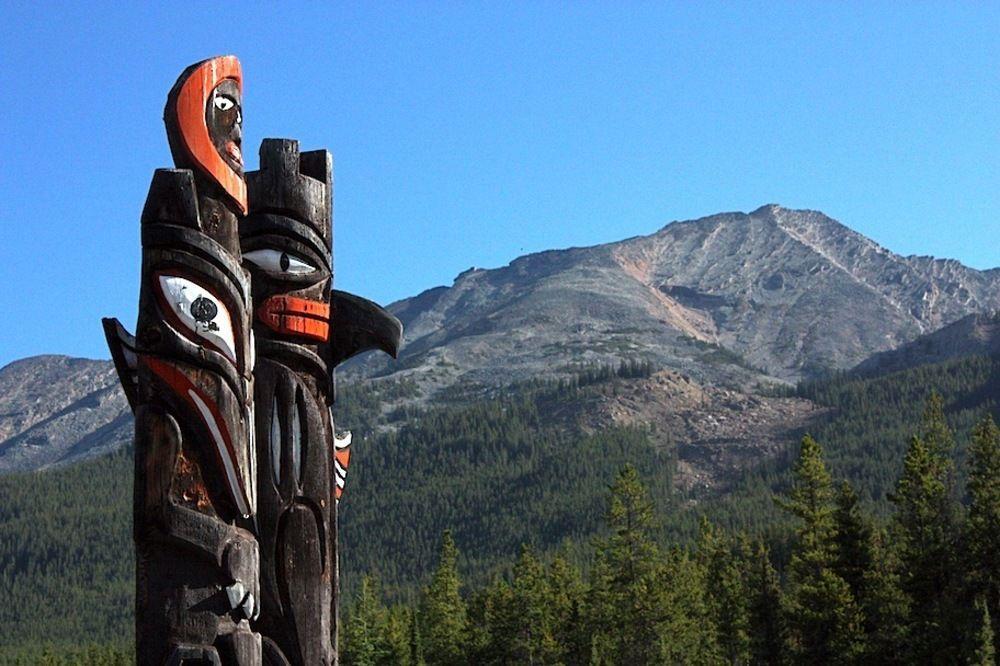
(224,118)
(291,279)
(204,117)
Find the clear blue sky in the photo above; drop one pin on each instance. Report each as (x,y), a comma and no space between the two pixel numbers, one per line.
(469,134)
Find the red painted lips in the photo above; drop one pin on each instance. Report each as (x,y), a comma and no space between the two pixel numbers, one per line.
(301,317)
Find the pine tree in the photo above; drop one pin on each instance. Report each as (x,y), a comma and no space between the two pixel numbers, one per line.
(726,576)
(364,640)
(415,644)
(983,524)
(767,627)
(886,607)
(443,613)
(926,532)
(566,588)
(853,541)
(983,649)
(823,619)
(688,634)
(532,641)
(633,607)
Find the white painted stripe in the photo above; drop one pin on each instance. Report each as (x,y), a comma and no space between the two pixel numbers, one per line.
(340,469)
(220,444)
(342,441)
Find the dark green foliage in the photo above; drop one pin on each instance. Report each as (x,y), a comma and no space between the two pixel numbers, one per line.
(767,622)
(823,619)
(926,535)
(444,625)
(499,470)
(853,556)
(66,567)
(983,527)
(983,651)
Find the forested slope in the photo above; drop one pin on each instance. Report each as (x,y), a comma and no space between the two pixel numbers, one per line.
(496,469)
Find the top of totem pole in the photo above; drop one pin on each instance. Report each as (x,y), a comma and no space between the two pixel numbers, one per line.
(204,120)
(294,183)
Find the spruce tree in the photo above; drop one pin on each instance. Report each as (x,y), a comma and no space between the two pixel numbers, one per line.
(726,578)
(853,541)
(983,649)
(983,523)
(926,532)
(767,626)
(364,640)
(566,588)
(443,612)
(627,600)
(532,641)
(824,622)
(886,607)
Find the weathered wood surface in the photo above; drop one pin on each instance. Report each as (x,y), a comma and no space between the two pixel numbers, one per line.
(188,375)
(287,245)
(237,466)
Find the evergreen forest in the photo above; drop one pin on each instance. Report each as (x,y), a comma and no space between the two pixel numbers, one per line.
(488,532)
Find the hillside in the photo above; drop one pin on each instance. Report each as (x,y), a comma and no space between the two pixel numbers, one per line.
(55,409)
(786,294)
(974,334)
(498,472)
(729,306)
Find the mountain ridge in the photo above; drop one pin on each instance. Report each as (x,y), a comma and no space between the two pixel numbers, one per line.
(735,301)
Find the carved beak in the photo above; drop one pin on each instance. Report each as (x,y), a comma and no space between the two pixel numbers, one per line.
(300,317)
(360,325)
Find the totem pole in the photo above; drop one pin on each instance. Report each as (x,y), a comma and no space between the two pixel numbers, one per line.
(302,330)
(188,376)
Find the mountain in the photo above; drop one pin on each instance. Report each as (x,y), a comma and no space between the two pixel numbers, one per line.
(726,305)
(56,409)
(732,298)
(975,334)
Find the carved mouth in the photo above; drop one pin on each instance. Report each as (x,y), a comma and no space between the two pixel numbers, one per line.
(300,317)
(234,152)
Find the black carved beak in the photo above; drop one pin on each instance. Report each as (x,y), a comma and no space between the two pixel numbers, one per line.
(358,325)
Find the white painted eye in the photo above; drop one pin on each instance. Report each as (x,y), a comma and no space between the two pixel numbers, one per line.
(277,261)
(223,103)
(200,312)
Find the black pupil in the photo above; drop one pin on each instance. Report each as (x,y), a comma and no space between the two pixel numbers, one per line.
(284,261)
(204,309)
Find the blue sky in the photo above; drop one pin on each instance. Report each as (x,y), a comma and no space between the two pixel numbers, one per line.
(471,133)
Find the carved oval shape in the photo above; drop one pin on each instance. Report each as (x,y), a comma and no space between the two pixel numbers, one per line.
(279,262)
(200,312)
(296,436)
(274,444)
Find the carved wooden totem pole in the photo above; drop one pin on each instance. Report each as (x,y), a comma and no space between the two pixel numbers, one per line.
(238,469)
(188,376)
(303,329)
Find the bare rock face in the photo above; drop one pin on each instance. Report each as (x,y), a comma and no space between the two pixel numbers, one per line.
(715,433)
(56,409)
(732,299)
(728,302)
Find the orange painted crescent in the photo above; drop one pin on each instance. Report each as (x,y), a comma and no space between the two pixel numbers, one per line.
(191,103)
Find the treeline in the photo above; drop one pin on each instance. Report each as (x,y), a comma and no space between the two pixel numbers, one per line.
(865,434)
(921,587)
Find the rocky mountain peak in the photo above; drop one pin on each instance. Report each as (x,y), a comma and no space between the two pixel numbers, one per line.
(781,294)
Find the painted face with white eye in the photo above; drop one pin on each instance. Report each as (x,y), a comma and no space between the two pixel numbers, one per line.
(224,118)
(200,312)
(279,262)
